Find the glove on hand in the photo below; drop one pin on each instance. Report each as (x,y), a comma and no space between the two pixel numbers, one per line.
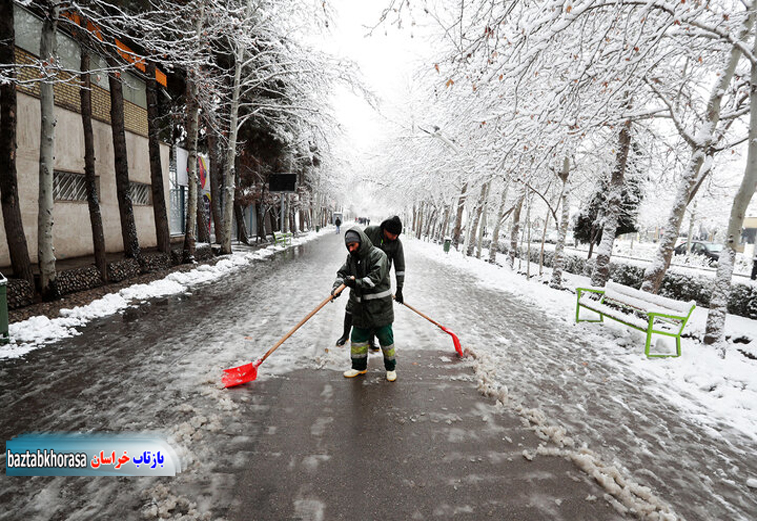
(398,296)
(350,282)
(334,294)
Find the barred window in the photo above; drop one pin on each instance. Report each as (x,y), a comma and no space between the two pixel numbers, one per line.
(68,186)
(140,193)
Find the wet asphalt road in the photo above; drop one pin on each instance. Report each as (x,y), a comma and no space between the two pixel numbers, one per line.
(427,446)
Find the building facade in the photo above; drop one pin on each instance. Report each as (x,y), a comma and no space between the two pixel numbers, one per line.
(72,232)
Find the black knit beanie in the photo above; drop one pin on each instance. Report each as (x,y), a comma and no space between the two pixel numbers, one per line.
(393,225)
(351,236)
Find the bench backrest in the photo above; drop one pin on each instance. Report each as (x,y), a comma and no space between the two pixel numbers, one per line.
(647,301)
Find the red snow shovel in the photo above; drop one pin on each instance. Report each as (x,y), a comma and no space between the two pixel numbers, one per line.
(456,340)
(249,372)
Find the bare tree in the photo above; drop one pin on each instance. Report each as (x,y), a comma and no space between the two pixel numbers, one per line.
(14,229)
(715,329)
(45,248)
(192,123)
(121,162)
(558,261)
(93,200)
(613,207)
(160,212)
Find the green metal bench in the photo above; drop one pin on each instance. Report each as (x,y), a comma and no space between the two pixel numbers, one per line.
(282,237)
(646,312)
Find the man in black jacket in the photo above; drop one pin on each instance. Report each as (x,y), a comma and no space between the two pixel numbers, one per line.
(386,238)
(366,273)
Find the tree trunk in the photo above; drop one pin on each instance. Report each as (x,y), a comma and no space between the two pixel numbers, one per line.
(270,224)
(479,209)
(459,216)
(692,218)
(721,291)
(529,202)
(203,226)
(494,246)
(160,212)
(192,123)
(484,222)
(515,229)
(468,230)
(45,249)
(558,261)
(241,225)
(445,223)
(419,229)
(123,190)
(614,202)
(700,157)
(216,184)
(430,221)
(287,209)
(261,221)
(14,229)
(543,240)
(230,164)
(93,200)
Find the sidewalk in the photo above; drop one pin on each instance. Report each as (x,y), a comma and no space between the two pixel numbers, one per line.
(84,297)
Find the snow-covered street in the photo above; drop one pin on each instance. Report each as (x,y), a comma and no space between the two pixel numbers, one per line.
(666,438)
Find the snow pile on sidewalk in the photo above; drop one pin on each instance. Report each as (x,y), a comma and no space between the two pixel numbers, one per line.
(37,331)
(712,390)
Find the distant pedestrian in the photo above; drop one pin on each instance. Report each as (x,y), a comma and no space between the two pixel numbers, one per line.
(338,223)
(754,263)
(366,273)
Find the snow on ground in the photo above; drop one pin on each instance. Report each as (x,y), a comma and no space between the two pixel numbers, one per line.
(666,438)
(711,388)
(37,331)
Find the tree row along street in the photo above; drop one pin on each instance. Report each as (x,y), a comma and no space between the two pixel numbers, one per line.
(560,432)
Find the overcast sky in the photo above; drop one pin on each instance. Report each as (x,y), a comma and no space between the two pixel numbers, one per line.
(388,58)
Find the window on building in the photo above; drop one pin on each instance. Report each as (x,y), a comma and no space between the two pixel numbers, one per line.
(28,29)
(68,186)
(134,89)
(141,194)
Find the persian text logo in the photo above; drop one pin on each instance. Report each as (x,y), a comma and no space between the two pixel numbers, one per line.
(90,455)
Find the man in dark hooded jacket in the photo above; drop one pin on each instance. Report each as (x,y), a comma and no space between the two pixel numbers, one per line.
(385,237)
(366,273)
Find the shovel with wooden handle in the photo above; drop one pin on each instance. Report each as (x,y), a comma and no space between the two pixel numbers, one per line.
(249,372)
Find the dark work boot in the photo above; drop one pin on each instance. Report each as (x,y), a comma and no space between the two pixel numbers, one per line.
(347,326)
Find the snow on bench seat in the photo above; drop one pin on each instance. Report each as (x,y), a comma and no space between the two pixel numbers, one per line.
(639,319)
(649,302)
(634,308)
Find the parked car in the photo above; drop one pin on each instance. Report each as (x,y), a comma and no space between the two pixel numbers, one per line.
(711,250)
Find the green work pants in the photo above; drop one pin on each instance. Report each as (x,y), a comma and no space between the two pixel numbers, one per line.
(359,341)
